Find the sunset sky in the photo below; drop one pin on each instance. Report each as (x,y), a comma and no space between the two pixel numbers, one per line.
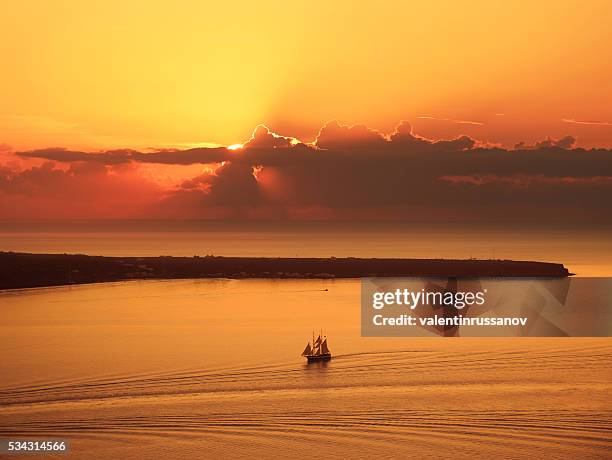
(81,78)
(153,73)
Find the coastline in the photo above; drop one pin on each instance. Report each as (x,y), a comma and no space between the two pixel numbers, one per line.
(27,270)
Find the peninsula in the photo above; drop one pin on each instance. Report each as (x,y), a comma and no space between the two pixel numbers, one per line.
(24,270)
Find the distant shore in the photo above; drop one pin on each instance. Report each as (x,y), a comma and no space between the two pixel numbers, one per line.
(25,270)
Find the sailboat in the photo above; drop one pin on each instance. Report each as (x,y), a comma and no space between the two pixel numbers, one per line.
(318,351)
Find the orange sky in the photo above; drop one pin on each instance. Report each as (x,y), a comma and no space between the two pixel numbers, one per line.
(96,75)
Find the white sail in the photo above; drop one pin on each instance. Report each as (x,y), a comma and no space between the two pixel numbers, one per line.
(307,350)
(324,349)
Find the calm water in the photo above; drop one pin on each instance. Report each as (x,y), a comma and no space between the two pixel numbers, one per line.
(211,369)
(586,253)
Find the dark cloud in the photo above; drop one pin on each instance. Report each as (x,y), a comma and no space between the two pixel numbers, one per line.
(264,139)
(232,184)
(113,157)
(566,142)
(357,171)
(334,136)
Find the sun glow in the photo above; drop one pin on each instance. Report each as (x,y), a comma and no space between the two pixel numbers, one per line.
(234,147)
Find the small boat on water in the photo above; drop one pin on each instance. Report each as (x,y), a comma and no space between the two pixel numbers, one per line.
(318,351)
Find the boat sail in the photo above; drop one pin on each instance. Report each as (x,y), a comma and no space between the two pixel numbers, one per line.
(324,349)
(318,351)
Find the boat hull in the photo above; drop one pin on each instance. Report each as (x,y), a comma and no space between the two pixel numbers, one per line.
(315,358)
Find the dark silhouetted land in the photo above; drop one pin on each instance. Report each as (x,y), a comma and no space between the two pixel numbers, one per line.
(22,270)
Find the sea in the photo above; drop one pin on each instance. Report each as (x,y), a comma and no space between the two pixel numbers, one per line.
(211,368)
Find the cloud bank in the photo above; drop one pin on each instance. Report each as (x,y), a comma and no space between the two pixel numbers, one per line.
(347,173)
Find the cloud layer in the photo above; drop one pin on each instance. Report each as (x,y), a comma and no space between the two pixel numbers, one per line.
(349,172)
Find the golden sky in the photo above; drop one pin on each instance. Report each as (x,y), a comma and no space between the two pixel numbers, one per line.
(105,74)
